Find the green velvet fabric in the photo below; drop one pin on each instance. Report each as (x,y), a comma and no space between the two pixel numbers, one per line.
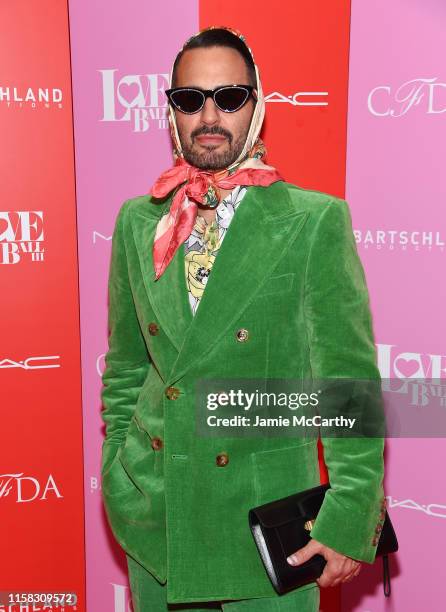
(174,510)
(148,595)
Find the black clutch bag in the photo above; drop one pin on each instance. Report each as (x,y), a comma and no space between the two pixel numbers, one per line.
(283,526)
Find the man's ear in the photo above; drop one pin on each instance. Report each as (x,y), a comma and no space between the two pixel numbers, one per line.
(254,94)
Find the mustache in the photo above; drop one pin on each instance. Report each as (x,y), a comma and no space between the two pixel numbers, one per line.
(211,131)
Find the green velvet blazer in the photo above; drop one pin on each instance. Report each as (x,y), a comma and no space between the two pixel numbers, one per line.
(288,271)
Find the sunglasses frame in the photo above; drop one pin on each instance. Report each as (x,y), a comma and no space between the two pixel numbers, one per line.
(210,93)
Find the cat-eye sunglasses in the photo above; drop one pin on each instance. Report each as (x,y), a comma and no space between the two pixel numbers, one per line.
(228,98)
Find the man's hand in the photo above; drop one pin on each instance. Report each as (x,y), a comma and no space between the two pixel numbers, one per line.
(339,568)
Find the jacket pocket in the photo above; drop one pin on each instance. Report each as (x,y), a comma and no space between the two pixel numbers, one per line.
(281,283)
(115,480)
(284,471)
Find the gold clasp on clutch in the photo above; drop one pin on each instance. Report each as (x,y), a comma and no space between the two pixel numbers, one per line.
(309,525)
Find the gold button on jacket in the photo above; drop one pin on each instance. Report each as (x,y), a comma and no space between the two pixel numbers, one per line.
(222,459)
(242,335)
(157,443)
(172,393)
(153,329)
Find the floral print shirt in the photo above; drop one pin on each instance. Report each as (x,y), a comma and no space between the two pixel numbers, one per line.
(205,240)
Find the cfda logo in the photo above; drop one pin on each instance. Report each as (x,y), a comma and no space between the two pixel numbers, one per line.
(24,489)
(427,94)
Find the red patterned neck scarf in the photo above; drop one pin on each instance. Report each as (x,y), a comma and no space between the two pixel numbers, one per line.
(197,186)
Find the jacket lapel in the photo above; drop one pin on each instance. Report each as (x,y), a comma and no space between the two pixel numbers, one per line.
(167,295)
(264,225)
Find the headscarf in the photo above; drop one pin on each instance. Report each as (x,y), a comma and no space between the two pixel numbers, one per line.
(202,186)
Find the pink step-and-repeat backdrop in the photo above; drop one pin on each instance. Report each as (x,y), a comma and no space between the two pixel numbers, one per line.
(356,107)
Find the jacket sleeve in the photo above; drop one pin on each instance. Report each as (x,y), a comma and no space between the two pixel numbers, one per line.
(127,360)
(339,328)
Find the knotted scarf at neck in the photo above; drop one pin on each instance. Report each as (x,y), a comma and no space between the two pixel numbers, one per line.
(197,187)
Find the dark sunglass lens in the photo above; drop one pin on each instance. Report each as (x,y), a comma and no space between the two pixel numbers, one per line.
(188,100)
(231,99)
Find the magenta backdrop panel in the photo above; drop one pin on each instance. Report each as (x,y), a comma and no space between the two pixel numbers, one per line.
(121,57)
(396,188)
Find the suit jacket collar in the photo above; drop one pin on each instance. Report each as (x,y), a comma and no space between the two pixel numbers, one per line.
(264,225)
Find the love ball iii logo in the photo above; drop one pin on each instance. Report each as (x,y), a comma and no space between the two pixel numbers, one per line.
(21,235)
(135,98)
(394,363)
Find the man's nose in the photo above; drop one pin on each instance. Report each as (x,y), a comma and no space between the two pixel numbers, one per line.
(209,112)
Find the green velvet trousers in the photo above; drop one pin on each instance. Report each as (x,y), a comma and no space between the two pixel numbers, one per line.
(149,595)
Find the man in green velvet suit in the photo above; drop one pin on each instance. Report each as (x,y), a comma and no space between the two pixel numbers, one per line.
(285,298)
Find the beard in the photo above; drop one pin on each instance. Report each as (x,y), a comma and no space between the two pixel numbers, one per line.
(210,158)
